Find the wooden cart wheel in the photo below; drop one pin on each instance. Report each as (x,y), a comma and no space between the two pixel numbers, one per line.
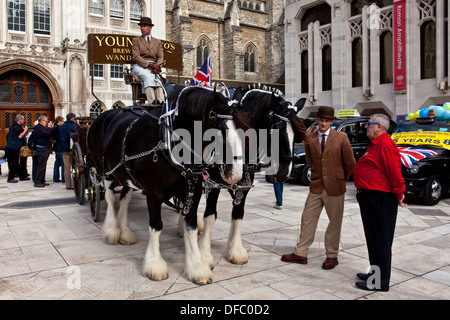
(94,195)
(78,173)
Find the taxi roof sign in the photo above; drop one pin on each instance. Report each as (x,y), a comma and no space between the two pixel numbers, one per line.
(347,113)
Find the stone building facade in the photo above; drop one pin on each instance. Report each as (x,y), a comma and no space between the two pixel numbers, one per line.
(341,53)
(44,65)
(245,38)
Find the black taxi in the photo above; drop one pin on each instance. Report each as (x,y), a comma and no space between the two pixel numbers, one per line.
(348,121)
(424,146)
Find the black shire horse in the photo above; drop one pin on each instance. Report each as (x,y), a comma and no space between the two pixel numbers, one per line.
(266,111)
(125,146)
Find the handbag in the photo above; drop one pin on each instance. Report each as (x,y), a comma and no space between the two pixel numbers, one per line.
(26,152)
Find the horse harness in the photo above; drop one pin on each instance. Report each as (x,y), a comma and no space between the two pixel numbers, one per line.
(246,183)
(191,174)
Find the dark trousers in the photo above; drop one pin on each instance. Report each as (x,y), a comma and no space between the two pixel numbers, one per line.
(40,164)
(14,166)
(379,215)
(59,163)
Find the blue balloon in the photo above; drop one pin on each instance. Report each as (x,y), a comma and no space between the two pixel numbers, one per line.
(446,115)
(424,113)
(438,111)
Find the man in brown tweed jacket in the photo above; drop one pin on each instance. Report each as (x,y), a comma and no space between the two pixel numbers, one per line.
(148,54)
(330,157)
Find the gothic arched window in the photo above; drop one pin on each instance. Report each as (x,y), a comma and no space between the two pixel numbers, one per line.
(203,50)
(304,71)
(117,9)
(428,49)
(357,62)
(326,68)
(249,59)
(136,10)
(386,54)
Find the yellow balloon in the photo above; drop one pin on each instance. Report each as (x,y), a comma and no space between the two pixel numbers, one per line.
(411,116)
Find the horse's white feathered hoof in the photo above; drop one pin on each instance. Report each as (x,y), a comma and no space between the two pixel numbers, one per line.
(127,237)
(202,278)
(111,233)
(156,272)
(157,277)
(238,256)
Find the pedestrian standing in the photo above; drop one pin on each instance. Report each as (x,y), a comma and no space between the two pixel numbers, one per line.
(64,132)
(330,157)
(16,139)
(58,167)
(42,134)
(380,190)
(278,189)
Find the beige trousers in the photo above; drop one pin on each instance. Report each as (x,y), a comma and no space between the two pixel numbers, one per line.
(67,158)
(153,93)
(334,207)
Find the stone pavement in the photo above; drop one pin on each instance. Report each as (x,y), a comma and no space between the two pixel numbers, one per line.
(48,242)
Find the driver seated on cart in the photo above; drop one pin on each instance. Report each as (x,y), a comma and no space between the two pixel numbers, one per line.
(148,54)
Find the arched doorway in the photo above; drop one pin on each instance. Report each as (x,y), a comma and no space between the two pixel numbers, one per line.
(22,92)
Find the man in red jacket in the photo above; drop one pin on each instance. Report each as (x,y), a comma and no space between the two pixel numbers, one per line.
(380,190)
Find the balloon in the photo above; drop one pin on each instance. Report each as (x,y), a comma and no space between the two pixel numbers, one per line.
(446,115)
(417,114)
(411,116)
(446,106)
(439,111)
(424,113)
(431,107)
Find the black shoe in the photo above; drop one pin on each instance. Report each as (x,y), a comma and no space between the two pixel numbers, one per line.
(363,276)
(25,179)
(13,181)
(39,185)
(363,286)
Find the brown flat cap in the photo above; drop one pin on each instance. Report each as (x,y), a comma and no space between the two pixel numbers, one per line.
(326,112)
(146,21)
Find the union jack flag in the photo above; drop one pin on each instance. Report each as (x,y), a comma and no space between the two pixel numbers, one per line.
(204,75)
(410,155)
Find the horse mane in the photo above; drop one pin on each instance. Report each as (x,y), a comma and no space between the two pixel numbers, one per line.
(198,101)
(264,99)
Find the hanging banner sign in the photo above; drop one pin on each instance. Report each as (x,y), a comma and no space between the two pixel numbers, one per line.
(116,49)
(421,138)
(399,45)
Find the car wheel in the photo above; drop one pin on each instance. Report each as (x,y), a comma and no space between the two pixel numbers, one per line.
(305,177)
(433,191)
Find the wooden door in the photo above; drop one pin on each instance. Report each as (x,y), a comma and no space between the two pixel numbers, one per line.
(22,93)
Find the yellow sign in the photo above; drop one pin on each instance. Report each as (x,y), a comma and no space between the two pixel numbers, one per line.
(419,138)
(348,113)
(116,49)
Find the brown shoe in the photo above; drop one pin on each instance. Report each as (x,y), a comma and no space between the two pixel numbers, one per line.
(294,258)
(330,263)
(39,185)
